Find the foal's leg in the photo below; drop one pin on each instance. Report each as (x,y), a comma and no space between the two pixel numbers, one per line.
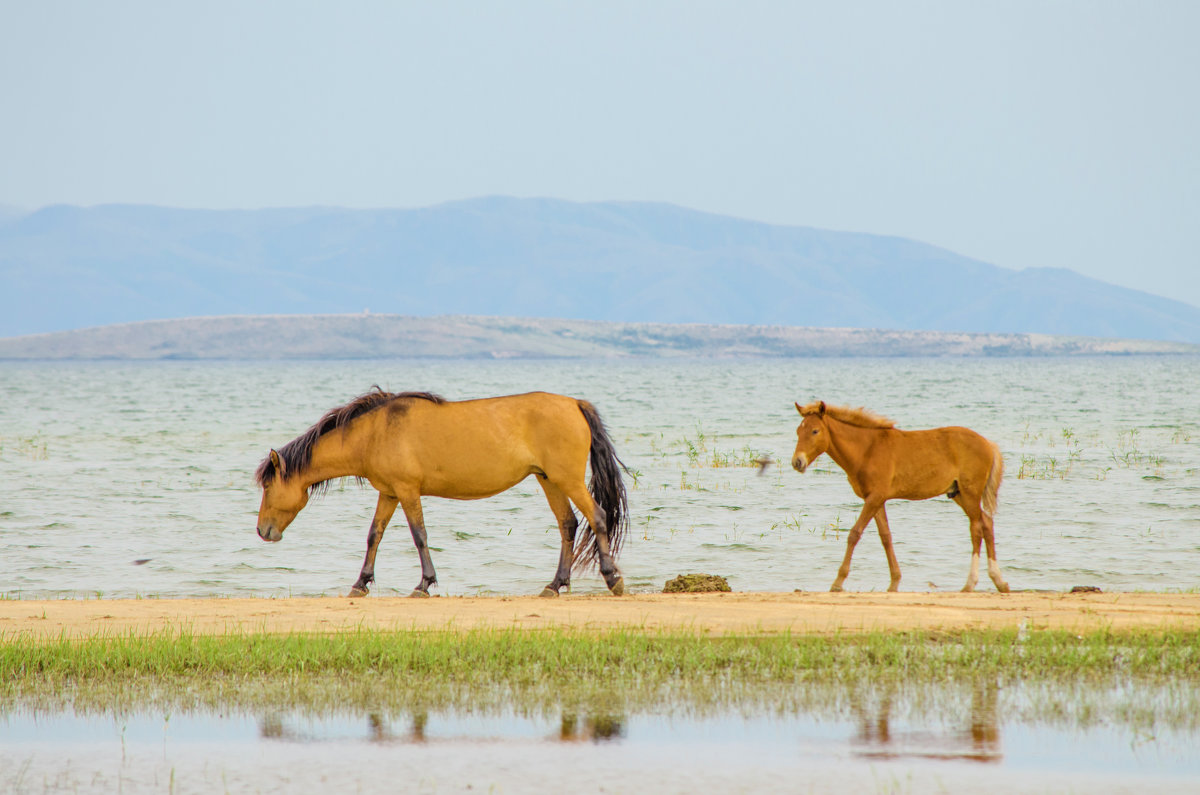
(567,524)
(870,507)
(416,524)
(989,537)
(885,535)
(970,505)
(599,524)
(976,541)
(384,509)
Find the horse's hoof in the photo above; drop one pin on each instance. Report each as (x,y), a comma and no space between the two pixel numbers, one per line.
(549,592)
(419,594)
(835,589)
(356,592)
(618,588)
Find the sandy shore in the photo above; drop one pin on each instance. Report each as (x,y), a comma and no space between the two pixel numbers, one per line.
(715,613)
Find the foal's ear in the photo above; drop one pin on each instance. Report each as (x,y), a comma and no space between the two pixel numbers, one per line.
(277,462)
(821,409)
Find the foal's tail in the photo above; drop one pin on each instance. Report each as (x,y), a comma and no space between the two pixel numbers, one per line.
(995,475)
(608,492)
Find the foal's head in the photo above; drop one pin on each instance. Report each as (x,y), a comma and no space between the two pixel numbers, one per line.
(282,498)
(812,437)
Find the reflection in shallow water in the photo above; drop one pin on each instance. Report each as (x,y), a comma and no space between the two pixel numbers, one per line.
(596,728)
(978,740)
(573,727)
(877,739)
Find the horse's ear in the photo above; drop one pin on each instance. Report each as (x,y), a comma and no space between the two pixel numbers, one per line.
(277,462)
(799,409)
(821,409)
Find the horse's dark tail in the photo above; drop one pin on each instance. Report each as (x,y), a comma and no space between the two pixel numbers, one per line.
(608,492)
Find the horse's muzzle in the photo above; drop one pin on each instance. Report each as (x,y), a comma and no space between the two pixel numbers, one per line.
(269,533)
(800,463)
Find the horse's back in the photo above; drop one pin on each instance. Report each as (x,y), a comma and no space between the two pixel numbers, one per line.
(512,421)
(487,445)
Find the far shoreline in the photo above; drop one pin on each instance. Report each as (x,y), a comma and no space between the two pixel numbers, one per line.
(369,337)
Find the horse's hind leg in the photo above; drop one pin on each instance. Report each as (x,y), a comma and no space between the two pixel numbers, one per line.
(885,536)
(567,524)
(384,509)
(416,524)
(598,522)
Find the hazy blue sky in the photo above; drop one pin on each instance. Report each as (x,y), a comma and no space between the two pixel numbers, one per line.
(1021,133)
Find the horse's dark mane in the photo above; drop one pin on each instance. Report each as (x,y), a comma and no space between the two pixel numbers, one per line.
(296,455)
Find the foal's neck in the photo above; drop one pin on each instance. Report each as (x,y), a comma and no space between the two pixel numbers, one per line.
(848,443)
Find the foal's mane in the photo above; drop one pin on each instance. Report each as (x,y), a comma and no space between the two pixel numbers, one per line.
(296,455)
(859,417)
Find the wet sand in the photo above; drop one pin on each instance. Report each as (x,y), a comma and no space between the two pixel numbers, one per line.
(729,613)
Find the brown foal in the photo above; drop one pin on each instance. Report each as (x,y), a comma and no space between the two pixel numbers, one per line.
(883,462)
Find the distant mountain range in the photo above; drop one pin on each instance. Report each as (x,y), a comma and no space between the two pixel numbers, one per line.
(69,267)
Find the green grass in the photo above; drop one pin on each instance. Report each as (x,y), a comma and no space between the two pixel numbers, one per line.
(1097,676)
(566,656)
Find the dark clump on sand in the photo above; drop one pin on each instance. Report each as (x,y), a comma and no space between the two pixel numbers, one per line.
(696,583)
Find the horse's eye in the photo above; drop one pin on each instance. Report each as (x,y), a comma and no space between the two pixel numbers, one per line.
(814,431)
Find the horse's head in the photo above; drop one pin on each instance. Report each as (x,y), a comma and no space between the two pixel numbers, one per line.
(282,498)
(812,437)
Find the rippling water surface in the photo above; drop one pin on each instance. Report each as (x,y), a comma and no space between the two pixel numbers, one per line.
(136,479)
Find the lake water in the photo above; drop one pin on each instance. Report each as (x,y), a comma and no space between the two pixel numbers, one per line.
(126,479)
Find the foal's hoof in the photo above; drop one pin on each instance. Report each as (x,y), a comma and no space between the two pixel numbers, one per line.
(549,593)
(418,594)
(617,588)
(356,592)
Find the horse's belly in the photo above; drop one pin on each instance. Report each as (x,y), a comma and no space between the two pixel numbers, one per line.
(470,488)
(460,494)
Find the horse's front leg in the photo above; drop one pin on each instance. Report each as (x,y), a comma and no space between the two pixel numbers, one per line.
(869,509)
(416,524)
(885,536)
(383,514)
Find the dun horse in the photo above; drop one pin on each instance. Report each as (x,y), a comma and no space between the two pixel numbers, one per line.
(883,463)
(414,444)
